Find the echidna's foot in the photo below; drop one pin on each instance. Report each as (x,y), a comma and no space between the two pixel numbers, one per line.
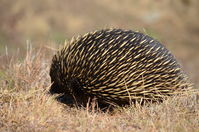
(91,104)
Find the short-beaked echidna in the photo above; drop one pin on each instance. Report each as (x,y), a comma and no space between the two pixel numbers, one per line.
(117,66)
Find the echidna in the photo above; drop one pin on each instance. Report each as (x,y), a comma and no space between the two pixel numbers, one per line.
(117,66)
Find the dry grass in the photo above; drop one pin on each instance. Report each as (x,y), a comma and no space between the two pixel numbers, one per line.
(26,106)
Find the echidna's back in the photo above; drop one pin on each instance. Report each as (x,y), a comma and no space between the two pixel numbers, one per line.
(117,65)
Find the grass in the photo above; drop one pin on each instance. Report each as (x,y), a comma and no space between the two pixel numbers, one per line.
(26,106)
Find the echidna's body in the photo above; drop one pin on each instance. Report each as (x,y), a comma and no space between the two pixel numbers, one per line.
(117,66)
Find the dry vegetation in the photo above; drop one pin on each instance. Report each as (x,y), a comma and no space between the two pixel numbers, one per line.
(24,73)
(25,105)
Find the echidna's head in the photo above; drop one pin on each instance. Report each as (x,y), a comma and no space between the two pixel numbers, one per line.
(57,86)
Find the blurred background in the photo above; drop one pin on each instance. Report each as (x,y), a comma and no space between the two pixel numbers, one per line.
(175,23)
